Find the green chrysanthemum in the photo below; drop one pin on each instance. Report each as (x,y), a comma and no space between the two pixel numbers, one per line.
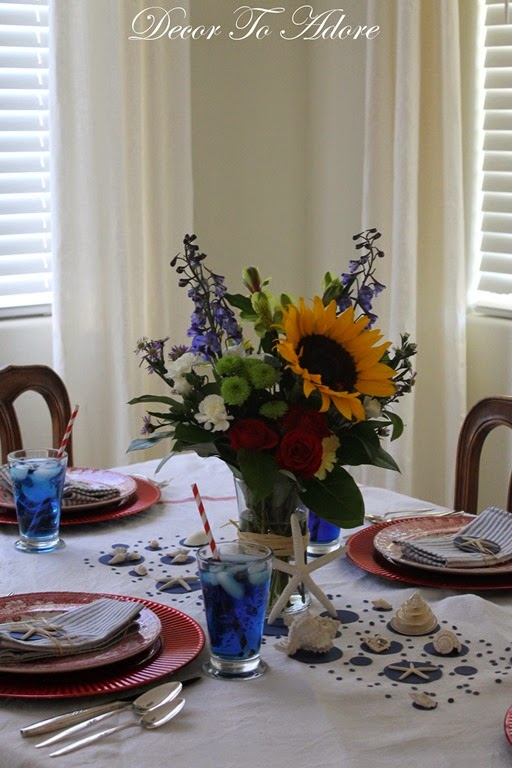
(235,390)
(262,376)
(274,409)
(230,365)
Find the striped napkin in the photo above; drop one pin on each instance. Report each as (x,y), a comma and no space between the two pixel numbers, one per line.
(486,540)
(90,627)
(75,491)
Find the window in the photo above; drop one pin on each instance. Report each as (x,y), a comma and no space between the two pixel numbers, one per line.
(25,236)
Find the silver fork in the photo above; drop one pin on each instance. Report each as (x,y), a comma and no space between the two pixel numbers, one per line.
(399,514)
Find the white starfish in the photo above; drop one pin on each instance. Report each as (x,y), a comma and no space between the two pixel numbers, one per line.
(179,581)
(412,670)
(301,572)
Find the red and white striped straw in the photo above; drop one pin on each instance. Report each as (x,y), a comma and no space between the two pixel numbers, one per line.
(206,524)
(67,433)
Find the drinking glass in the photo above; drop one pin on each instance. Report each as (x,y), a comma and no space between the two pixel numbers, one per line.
(324,537)
(235,592)
(37,478)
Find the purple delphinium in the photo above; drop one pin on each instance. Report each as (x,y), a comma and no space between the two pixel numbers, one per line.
(212,322)
(360,275)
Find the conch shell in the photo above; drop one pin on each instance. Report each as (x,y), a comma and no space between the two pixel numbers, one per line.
(446,642)
(308,632)
(414,617)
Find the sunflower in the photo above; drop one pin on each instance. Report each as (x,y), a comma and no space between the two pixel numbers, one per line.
(335,355)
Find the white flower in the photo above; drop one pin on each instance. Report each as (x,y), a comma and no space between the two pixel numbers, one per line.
(212,414)
(372,408)
(182,365)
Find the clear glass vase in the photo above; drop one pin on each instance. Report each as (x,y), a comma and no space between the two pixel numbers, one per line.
(268,521)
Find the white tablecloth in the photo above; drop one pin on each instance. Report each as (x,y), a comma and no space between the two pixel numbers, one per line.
(340,713)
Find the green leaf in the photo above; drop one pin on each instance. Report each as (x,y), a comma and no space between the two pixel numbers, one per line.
(240,301)
(385,460)
(259,472)
(142,443)
(153,399)
(397,424)
(189,433)
(336,499)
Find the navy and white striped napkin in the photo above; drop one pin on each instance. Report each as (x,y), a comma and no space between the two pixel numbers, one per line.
(94,626)
(486,540)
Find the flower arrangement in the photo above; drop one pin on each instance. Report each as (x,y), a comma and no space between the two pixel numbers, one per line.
(313,391)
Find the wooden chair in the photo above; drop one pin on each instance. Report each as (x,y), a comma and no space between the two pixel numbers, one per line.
(482,418)
(16,379)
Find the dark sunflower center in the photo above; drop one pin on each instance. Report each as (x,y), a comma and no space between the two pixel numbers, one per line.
(324,356)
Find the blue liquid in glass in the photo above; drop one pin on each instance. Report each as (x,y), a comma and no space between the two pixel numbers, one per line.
(320,531)
(37,490)
(235,598)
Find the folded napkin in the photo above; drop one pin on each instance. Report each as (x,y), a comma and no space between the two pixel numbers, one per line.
(75,491)
(486,540)
(90,627)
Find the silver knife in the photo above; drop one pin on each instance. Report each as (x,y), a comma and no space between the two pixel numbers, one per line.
(153,719)
(52,724)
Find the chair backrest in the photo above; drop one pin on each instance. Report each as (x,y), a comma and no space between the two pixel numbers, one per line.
(481,419)
(16,379)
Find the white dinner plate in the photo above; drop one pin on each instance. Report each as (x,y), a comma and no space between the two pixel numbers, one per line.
(408,530)
(26,607)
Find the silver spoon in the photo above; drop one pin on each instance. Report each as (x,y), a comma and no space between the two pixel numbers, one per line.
(147,701)
(153,719)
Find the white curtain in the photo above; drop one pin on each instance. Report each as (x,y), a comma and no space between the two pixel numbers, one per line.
(122,195)
(413,192)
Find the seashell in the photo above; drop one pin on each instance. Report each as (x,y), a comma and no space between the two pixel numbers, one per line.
(382,605)
(308,632)
(377,644)
(179,557)
(423,700)
(197,539)
(446,642)
(414,617)
(141,570)
(119,550)
(133,556)
(154,544)
(119,558)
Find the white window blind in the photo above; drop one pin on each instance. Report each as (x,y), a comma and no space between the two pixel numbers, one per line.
(494,289)
(25,235)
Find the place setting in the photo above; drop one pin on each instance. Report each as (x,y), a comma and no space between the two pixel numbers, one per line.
(49,639)
(454,551)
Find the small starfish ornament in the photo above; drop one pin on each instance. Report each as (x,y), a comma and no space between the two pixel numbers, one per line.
(413,670)
(179,581)
(301,572)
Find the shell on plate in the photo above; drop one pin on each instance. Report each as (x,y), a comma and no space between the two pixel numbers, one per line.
(414,617)
(382,605)
(119,557)
(196,539)
(423,700)
(308,632)
(377,644)
(446,642)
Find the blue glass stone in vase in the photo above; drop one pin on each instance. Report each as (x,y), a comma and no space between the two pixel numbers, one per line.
(323,536)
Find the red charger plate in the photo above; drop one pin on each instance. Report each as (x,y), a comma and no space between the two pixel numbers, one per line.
(182,639)
(145,495)
(361,551)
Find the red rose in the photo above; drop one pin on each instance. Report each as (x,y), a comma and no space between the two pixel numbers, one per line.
(305,418)
(253,434)
(300,452)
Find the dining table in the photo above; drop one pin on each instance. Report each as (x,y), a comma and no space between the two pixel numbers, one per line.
(346,707)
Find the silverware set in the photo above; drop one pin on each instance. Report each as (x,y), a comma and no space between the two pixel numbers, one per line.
(154,708)
(399,514)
